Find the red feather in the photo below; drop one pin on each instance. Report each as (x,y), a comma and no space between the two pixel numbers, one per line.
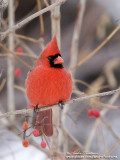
(50,50)
(46,85)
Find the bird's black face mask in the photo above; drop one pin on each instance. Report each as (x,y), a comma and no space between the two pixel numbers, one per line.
(56,61)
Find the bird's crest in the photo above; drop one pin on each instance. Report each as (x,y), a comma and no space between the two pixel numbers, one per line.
(50,50)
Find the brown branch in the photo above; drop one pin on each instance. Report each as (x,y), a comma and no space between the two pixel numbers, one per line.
(76,34)
(26,111)
(41,25)
(97,122)
(113,148)
(51,152)
(16,53)
(2,84)
(26,38)
(30,18)
(110,128)
(98,48)
(89,86)
(46,3)
(19,88)
(81,147)
(18,58)
(40,18)
(73,62)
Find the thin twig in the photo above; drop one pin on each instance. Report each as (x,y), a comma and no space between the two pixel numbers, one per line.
(47,143)
(19,88)
(81,147)
(89,86)
(26,38)
(2,84)
(103,112)
(98,48)
(41,18)
(20,41)
(16,53)
(25,46)
(30,18)
(18,58)
(113,147)
(46,3)
(110,128)
(76,34)
(73,61)
(41,25)
(103,138)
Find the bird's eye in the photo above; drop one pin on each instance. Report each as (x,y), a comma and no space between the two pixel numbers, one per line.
(49,57)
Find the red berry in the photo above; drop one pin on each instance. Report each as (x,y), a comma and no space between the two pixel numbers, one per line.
(17,72)
(19,50)
(96,113)
(43,144)
(25,125)
(30,106)
(90,112)
(36,133)
(25,143)
(93,113)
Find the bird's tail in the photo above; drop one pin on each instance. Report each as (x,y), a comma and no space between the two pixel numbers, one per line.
(44,120)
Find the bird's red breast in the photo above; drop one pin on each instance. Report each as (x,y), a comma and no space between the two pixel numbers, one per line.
(47,86)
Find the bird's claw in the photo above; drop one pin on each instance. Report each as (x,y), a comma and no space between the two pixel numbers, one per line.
(36,109)
(61,104)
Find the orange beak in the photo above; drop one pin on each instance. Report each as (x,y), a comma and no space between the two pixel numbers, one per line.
(58,60)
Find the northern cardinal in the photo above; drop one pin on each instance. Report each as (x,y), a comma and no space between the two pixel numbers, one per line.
(48,84)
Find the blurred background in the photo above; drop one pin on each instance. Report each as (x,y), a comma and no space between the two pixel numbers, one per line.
(99,73)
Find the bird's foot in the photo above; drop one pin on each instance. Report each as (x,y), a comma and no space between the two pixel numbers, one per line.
(61,104)
(36,109)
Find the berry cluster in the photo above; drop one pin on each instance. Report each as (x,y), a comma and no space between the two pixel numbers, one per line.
(35,133)
(94,113)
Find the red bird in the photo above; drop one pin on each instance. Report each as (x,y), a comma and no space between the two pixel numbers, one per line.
(48,84)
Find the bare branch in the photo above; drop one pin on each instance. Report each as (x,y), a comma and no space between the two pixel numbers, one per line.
(56,30)
(98,48)
(73,62)
(18,58)
(76,34)
(10,62)
(26,111)
(110,128)
(73,139)
(30,18)
(97,122)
